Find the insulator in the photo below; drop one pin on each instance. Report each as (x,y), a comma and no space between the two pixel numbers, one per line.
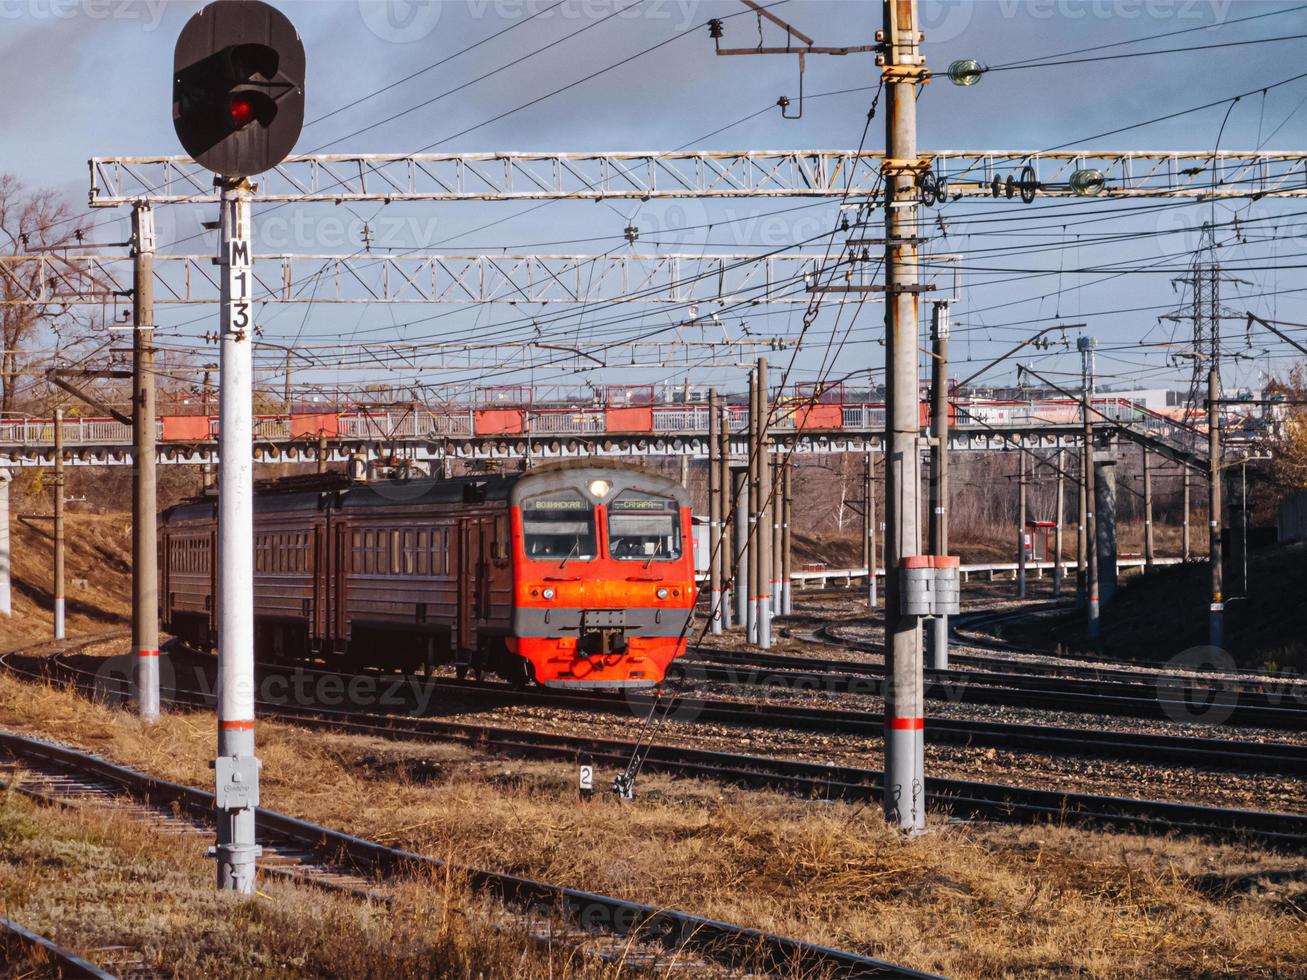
(1088,183)
(965,72)
(715,29)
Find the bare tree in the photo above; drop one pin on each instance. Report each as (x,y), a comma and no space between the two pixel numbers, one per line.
(31,222)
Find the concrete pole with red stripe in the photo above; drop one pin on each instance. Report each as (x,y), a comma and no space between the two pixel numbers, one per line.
(145,552)
(6,593)
(58,523)
(714,520)
(904,70)
(236,768)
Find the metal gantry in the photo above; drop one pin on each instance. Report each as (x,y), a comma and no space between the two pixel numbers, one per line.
(392,177)
(736,278)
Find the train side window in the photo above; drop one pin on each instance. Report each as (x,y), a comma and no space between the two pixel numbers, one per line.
(394,552)
(445,549)
(423,556)
(410,560)
(356,551)
(369,557)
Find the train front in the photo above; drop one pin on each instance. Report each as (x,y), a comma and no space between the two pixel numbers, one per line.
(603,572)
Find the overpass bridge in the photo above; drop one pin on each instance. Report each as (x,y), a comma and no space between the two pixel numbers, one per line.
(551,431)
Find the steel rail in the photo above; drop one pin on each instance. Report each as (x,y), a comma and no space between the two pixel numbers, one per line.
(68,963)
(1278,758)
(993,801)
(597,913)
(1045,690)
(963,798)
(965,632)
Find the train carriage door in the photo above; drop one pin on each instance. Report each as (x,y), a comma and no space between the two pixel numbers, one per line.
(164,576)
(337,580)
(467,591)
(211,600)
(485,544)
(318,574)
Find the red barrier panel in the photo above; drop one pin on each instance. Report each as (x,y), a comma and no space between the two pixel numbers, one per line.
(820,416)
(327,424)
(186,428)
(498,421)
(628,419)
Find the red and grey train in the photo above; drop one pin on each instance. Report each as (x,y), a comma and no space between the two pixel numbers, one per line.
(574,574)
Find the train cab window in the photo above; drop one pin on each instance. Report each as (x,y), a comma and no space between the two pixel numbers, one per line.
(644,527)
(558,526)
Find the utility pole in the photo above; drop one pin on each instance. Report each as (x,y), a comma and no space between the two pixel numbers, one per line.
(1021,525)
(904,70)
(741,521)
(1184,471)
(778,534)
(938,494)
(728,519)
(145,554)
(59,523)
(5,561)
(764,509)
(206,468)
(1060,518)
(1215,622)
(1086,346)
(714,520)
(1148,511)
(286,390)
(869,528)
(751,541)
(236,766)
(787,550)
(6,593)
(1082,575)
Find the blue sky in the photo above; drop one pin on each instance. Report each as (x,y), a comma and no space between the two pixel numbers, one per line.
(94,76)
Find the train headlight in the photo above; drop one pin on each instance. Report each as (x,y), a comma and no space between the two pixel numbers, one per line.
(548,593)
(661,593)
(600,488)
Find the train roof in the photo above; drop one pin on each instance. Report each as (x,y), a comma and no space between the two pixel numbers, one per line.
(312,492)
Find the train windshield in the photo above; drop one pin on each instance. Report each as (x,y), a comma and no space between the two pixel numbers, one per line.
(559,526)
(644,527)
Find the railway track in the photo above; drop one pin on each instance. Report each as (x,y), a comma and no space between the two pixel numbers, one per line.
(1168,697)
(962,798)
(966,629)
(18,943)
(1230,755)
(687,944)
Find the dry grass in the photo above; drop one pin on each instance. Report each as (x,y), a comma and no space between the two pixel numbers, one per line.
(98,572)
(93,880)
(968,901)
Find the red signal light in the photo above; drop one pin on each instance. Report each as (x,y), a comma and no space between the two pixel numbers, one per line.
(242,110)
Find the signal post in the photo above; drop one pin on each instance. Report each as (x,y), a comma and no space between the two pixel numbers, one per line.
(238,108)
